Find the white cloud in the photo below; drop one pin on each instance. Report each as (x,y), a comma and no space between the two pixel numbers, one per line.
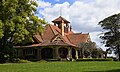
(52,12)
(43,4)
(84,16)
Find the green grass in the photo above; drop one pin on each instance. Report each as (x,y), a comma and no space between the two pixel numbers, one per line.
(94,66)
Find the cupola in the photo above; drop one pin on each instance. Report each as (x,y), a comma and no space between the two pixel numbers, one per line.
(63,24)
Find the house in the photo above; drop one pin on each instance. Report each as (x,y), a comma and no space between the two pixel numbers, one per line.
(58,41)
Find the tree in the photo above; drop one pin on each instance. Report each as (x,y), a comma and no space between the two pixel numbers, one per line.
(111,34)
(17,25)
(89,49)
(97,53)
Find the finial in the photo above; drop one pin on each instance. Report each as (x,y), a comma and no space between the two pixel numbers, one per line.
(60,11)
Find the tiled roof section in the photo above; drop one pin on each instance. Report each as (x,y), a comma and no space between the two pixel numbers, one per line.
(70,32)
(59,19)
(58,32)
(72,39)
(55,29)
(48,34)
(68,41)
(38,38)
(77,38)
(52,34)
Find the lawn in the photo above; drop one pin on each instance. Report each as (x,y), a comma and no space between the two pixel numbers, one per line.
(108,66)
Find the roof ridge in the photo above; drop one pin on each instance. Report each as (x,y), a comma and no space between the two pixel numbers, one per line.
(42,37)
(52,29)
(77,33)
(68,39)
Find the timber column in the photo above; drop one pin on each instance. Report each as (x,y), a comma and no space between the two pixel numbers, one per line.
(20,53)
(76,54)
(55,53)
(69,56)
(39,53)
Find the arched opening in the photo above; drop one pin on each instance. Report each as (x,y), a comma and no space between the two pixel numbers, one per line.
(73,53)
(47,53)
(63,52)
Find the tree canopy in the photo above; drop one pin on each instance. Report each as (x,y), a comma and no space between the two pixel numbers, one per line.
(18,24)
(111,34)
(89,49)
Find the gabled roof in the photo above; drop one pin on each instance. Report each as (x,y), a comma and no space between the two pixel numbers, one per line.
(48,34)
(59,19)
(51,33)
(57,37)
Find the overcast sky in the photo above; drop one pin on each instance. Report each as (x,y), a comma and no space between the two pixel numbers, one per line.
(84,15)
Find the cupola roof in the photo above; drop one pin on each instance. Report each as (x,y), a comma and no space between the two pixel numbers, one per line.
(59,19)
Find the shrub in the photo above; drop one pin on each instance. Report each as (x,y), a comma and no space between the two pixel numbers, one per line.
(115,59)
(95,59)
(15,60)
(23,61)
(52,60)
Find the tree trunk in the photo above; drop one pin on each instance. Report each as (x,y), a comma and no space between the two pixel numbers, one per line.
(105,54)
(118,52)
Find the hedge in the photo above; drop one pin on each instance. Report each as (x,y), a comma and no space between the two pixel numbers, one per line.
(23,61)
(52,59)
(94,59)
